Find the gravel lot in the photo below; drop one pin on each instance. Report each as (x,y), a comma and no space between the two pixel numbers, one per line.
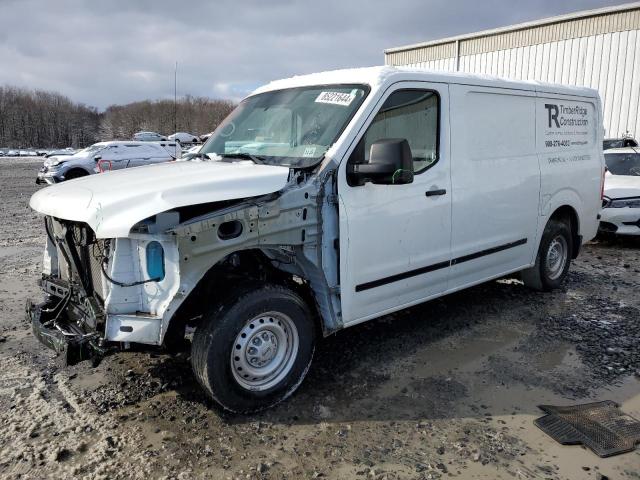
(447,389)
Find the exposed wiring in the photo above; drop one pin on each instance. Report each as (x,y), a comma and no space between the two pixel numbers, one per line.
(125,284)
(64,302)
(102,260)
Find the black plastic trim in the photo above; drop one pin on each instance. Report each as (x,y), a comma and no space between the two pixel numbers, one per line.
(438,266)
(401,276)
(488,251)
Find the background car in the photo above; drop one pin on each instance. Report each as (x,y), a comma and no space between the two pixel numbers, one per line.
(104,156)
(621,206)
(619,143)
(184,137)
(191,153)
(149,137)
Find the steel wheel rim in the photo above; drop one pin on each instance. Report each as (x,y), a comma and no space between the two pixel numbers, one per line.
(556,257)
(264,351)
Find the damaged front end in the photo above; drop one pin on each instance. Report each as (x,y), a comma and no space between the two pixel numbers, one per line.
(72,317)
(103,294)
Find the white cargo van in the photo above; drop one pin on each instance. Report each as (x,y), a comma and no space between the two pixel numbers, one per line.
(321,202)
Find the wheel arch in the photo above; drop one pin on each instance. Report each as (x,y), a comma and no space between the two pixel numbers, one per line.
(239,268)
(78,169)
(569,215)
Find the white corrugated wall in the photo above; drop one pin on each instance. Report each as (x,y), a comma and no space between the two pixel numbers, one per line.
(608,62)
(596,48)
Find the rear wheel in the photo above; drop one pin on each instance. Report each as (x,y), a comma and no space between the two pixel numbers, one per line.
(254,349)
(553,259)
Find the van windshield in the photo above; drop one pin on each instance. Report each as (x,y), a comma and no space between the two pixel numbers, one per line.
(623,163)
(292,127)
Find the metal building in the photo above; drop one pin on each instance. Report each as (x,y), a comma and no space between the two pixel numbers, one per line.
(595,48)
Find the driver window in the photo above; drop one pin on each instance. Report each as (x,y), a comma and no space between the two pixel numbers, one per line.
(410,114)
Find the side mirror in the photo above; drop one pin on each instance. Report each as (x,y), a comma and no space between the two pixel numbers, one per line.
(97,158)
(390,163)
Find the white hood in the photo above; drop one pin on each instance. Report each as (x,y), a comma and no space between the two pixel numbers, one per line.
(113,202)
(621,186)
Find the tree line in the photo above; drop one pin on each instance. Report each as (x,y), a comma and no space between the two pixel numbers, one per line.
(197,115)
(36,118)
(42,119)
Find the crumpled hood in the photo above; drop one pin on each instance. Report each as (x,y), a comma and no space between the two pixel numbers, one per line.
(113,202)
(621,186)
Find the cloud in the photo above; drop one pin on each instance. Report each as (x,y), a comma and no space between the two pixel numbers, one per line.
(116,51)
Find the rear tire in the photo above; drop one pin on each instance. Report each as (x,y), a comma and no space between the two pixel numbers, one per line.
(553,258)
(254,349)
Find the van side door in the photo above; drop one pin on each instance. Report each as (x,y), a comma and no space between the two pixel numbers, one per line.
(495,186)
(395,239)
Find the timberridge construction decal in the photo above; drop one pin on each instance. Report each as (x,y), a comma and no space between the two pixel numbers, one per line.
(567,125)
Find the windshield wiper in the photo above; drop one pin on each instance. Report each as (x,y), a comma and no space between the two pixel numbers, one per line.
(245,156)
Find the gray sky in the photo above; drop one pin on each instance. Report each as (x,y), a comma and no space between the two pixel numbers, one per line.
(103,52)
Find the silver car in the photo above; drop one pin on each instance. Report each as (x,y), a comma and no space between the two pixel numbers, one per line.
(104,156)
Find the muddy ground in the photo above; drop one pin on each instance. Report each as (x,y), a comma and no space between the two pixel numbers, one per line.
(447,389)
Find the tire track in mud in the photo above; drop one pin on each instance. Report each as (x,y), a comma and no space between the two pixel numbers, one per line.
(60,438)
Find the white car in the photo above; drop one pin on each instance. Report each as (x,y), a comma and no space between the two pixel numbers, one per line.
(149,137)
(321,202)
(184,137)
(104,156)
(621,205)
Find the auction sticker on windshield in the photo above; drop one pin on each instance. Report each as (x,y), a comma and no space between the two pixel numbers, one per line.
(336,98)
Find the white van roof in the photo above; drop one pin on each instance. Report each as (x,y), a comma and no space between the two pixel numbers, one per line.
(379,76)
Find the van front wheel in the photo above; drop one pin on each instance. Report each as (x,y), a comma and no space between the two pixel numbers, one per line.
(254,349)
(553,259)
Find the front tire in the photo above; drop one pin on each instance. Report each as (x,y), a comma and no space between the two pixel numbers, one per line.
(553,259)
(254,349)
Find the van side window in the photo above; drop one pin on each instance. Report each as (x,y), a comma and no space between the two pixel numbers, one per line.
(411,114)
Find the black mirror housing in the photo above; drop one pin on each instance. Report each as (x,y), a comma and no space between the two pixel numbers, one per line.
(390,163)
(97,158)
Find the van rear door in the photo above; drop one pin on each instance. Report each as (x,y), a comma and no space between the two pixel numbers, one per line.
(495,182)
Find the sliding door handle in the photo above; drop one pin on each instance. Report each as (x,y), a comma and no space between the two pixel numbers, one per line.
(434,193)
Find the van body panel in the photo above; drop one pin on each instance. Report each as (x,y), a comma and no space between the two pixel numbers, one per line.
(495,181)
(569,144)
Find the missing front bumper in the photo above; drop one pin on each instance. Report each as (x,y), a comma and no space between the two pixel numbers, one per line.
(71,344)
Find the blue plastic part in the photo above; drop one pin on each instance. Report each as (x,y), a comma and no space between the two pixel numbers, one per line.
(155,260)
